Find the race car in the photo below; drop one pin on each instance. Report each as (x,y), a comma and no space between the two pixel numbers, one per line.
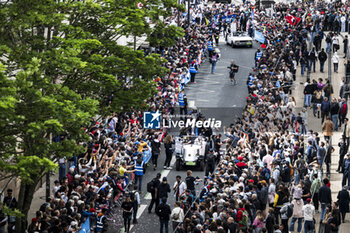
(239,39)
(190,151)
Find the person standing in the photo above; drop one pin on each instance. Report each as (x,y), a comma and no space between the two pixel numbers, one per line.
(233,70)
(322,57)
(135,199)
(335,60)
(342,152)
(127,207)
(163,211)
(139,171)
(280,199)
(179,188)
(335,42)
(257,57)
(11,203)
(168,145)
(182,103)
(346,133)
(315,187)
(297,215)
(155,145)
(210,163)
(177,215)
(334,113)
(343,111)
(325,108)
(193,71)
(214,58)
(345,42)
(190,182)
(270,221)
(153,189)
(343,201)
(102,223)
(312,56)
(325,197)
(346,170)
(164,189)
(327,129)
(309,214)
(285,210)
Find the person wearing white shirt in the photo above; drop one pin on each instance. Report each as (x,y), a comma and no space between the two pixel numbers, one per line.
(268,160)
(179,187)
(309,213)
(177,215)
(335,60)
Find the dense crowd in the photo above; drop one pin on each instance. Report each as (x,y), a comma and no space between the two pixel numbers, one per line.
(272,167)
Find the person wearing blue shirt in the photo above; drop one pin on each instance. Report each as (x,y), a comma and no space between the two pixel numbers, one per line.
(182,102)
(193,71)
(139,171)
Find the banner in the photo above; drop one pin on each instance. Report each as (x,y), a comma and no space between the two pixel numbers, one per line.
(258,36)
(187,78)
(85,227)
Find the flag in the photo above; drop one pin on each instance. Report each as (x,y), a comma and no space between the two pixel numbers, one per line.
(292,19)
(85,227)
(206,21)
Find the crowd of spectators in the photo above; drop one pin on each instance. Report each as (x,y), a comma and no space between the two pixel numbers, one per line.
(272,169)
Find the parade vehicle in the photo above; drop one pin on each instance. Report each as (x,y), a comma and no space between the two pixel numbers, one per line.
(190,151)
(236,39)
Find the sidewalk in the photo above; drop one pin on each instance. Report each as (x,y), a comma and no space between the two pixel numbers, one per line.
(315,124)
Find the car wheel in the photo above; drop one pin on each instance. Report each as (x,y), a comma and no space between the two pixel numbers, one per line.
(178,165)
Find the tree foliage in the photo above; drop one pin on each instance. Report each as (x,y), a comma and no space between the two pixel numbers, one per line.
(61,64)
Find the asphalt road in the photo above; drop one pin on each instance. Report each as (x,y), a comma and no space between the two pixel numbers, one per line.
(215,97)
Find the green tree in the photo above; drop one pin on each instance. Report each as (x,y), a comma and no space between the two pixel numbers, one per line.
(33,110)
(61,64)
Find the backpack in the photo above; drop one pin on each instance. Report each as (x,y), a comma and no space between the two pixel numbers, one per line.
(244,220)
(151,186)
(289,211)
(176,216)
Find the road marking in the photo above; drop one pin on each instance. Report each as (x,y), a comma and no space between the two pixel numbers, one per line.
(139,213)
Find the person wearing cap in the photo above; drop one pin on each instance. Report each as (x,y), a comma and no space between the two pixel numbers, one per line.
(164,189)
(309,214)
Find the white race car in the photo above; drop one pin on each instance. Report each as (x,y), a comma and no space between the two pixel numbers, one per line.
(190,152)
(239,39)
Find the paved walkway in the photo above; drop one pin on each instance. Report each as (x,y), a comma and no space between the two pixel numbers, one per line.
(315,124)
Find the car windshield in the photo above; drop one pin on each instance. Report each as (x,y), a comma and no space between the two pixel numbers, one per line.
(239,34)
